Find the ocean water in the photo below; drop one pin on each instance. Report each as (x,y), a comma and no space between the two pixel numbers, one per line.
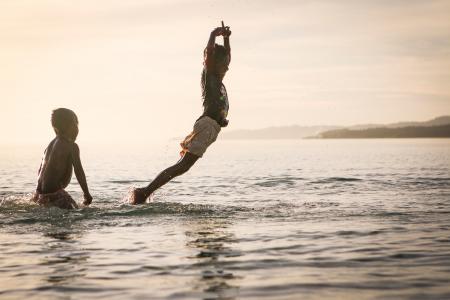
(289,219)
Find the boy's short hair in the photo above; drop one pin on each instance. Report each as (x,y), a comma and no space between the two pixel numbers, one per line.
(220,53)
(62,118)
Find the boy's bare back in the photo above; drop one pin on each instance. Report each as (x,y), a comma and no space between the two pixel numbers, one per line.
(56,168)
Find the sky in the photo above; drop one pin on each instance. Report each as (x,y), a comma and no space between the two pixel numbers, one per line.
(131,69)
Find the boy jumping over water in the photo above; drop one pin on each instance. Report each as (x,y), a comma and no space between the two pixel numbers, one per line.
(207,127)
(55,171)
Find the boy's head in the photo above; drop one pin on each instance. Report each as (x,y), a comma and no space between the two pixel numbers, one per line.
(222,60)
(65,123)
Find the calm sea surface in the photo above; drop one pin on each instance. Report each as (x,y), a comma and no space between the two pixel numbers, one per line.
(308,219)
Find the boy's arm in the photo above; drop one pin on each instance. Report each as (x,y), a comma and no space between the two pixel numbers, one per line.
(79,173)
(209,50)
(212,37)
(226,41)
(38,187)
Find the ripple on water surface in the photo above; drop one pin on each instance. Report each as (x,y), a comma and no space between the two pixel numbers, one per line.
(309,220)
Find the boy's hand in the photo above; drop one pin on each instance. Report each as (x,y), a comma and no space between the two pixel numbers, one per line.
(217,31)
(87,199)
(226,32)
(224,123)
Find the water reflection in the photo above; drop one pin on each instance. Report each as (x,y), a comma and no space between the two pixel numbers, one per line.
(213,243)
(64,259)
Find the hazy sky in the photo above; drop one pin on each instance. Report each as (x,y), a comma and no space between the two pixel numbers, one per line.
(131,69)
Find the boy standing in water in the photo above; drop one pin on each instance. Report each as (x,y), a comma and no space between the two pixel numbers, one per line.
(60,156)
(207,127)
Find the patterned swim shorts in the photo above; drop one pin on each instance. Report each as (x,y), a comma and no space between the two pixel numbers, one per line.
(60,199)
(204,134)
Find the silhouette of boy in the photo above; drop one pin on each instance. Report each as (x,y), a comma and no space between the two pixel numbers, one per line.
(60,156)
(207,127)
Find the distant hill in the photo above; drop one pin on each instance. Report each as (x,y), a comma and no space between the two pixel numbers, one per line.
(442,131)
(300,132)
(438,127)
(443,120)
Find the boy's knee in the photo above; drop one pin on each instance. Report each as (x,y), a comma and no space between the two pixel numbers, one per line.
(185,167)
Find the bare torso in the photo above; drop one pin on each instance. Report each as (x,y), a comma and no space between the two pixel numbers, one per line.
(56,167)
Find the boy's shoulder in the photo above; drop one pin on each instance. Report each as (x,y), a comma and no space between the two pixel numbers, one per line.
(63,144)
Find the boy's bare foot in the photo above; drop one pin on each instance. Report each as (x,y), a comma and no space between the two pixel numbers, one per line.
(138,196)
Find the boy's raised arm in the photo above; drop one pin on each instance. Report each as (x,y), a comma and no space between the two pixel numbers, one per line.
(226,41)
(226,32)
(209,50)
(212,37)
(79,173)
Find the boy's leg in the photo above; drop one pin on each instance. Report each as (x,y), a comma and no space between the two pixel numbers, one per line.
(181,167)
